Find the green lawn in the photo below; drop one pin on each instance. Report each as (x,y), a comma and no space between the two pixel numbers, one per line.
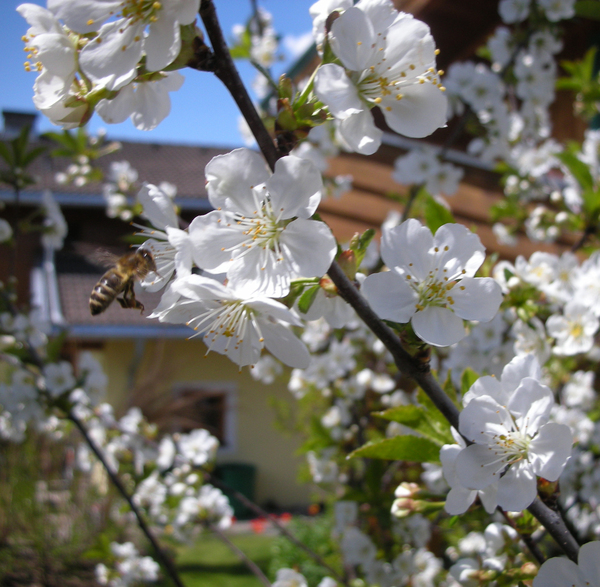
(210,563)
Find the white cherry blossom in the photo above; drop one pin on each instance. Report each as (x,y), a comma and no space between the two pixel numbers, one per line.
(574,331)
(234,324)
(112,57)
(431,283)
(260,232)
(513,441)
(388,60)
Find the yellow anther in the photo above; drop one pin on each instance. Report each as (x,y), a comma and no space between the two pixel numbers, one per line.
(437,51)
(90,22)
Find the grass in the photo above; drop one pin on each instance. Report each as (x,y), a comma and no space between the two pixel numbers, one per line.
(210,563)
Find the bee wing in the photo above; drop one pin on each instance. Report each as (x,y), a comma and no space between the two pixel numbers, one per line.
(103,258)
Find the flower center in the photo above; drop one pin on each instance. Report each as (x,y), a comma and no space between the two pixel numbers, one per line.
(141,10)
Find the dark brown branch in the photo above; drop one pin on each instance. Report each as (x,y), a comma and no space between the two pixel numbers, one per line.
(226,71)
(160,554)
(241,555)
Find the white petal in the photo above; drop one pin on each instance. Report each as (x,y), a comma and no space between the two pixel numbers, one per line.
(476,298)
(360,133)
(111,59)
(517,488)
(459,500)
(550,449)
(519,368)
(214,241)
(558,572)
(158,207)
(438,326)
(334,88)
(295,187)
(353,40)
(486,385)
(163,43)
(152,105)
(57,54)
(406,247)
(259,272)
(119,108)
(589,562)
(477,466)
(308,260)
(231,177)
(284,345)
(459,249)
(84,16)
(421,110)
(39,19)
(530,405)
(389,296)
(484,414)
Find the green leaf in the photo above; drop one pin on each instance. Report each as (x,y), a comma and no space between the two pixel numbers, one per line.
(591,201)
(415,418)
(32,155)
(401,448)
(435,418)
(469,377)
(436,214)
(307,298)
(579,170)
(588,9)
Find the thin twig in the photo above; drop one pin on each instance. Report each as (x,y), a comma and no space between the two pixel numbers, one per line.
(160,554)
(226,71)
(280,527)
(242,556)
(526,538)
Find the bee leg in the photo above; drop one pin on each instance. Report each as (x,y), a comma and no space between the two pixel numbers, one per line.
(129,300)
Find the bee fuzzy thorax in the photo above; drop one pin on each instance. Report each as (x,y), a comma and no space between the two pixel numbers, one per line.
(120,279)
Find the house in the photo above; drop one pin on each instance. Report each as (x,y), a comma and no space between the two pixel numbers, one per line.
(149,364)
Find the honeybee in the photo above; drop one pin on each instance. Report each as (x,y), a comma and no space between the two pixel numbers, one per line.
(120,279)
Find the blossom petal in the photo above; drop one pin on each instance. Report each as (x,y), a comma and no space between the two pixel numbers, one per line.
(353,39)
(389,296)
(163,43)
(459,500)
(486,385)
(84,16)
(323,246)
(360,133)
(111,59)
(295,188)
(158,207)
(558,572)
(550,450)
(477,298)
(589,562)
(213,240)
(421,110)
(119,108)
(231,177)
(406,246)
(531,404)
(260,271)
(519,368)
(284,345)
(460,250)
(438,326)
(517,488)
(334,88)
(484,416)
(477,467)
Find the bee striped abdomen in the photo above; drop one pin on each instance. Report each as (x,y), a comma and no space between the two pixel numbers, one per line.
(106,290)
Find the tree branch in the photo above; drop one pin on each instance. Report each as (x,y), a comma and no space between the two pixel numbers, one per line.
(280,527)
(226,71)
(160,554)
(242,556)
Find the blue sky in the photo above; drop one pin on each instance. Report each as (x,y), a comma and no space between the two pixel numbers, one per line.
(202,111)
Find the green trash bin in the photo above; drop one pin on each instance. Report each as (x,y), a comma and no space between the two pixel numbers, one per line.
(240,477)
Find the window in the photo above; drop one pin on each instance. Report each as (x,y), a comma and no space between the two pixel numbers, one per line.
(209,406)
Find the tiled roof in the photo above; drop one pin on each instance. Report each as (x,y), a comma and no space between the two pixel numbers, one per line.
(75,279)
(181,165)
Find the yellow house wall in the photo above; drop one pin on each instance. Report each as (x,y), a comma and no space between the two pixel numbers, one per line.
(171,363)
